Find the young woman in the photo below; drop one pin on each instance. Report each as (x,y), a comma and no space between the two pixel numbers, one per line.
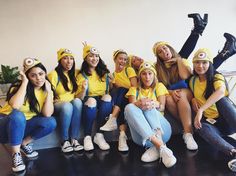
(215,115)
(123,78)
(93,89)
(68,108)
(147,125)
(27,115)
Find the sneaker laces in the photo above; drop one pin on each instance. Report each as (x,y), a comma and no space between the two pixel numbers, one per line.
(17,159)
(27,148)
(66,144)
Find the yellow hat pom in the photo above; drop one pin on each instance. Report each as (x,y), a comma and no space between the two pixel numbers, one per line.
(147,65)
(203,54)
(130,60)
(156,45)
(63,52)
(29,62)
(89,49)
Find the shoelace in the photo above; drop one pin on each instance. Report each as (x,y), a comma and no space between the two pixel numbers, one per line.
(67,144)
(233,166)
(17,159)
(28,149)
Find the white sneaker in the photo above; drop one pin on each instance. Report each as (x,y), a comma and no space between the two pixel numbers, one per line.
(76,145)
(122,143)
(168,159)
(28,151)
(88,144)
(66,147)
(150,155)
(100,141)
(17,163)
(110,125)
(189,141)
(232,165)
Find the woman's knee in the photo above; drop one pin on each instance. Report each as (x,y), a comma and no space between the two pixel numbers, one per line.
(17,116)
(106,98)
(91,102)
(77,103)
(66,107)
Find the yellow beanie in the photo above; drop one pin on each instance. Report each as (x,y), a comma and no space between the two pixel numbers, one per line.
(156,45)
(29,63)
(63,52)
(115,53)
(147,65)
(130,60)
(89,49)
(203,54)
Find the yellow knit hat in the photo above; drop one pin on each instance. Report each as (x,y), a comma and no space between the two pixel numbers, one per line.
(63,52)
(29,63)
(130,60)
(203,54)
(89,49)
(156,45)
(147,65)
(115,53)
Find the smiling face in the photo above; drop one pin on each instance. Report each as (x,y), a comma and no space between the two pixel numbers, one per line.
(136,62)
(164,52)
(147,77)
(67,62)
(37,77)
(92,60)
(120,61)
(201,67)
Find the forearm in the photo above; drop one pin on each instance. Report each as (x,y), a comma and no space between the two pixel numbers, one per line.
(48,107)
(184,71)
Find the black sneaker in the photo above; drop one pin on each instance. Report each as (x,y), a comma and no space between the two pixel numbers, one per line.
(17,163)
(28,151)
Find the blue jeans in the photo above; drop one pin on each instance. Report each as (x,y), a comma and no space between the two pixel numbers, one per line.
(69,114)
(143,124)
(118,99)
(16,127)
(101,111)
(225,125)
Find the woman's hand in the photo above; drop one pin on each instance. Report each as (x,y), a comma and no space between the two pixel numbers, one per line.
(48,86)
(197,120)
(195,104)
(176,94)
(23,77)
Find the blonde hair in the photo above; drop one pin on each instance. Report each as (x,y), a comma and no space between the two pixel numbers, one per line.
(165,75)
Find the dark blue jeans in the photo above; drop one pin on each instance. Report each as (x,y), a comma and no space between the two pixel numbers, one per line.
(100,112)
(14,127)
(225,125)
(118,98)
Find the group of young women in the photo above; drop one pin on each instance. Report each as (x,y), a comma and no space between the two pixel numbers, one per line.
(137,95)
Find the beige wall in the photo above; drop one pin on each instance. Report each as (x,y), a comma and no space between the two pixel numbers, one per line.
(39,28)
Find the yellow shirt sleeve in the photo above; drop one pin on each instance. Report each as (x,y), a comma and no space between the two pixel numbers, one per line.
(132,92)
(161,89)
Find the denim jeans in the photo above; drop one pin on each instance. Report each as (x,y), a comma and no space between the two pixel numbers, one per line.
(69,117)
(143,124)
(118,99)
(225,125)
(99,112)
(16,127)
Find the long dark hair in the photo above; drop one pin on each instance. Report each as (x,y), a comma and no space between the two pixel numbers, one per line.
(210,79)
(101,68)
(30,95)
(71,73)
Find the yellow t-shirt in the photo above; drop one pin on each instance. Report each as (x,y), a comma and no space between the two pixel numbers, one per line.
(96,86)
(63,95)
(122,79)
(40,96)
(198,90)
(160,89)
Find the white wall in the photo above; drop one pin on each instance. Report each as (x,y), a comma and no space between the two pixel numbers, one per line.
(38,28)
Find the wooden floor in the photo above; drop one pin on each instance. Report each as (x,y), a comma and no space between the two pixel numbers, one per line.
(52,162)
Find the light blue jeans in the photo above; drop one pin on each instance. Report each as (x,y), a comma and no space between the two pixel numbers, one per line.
(144,124)
(69,116)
